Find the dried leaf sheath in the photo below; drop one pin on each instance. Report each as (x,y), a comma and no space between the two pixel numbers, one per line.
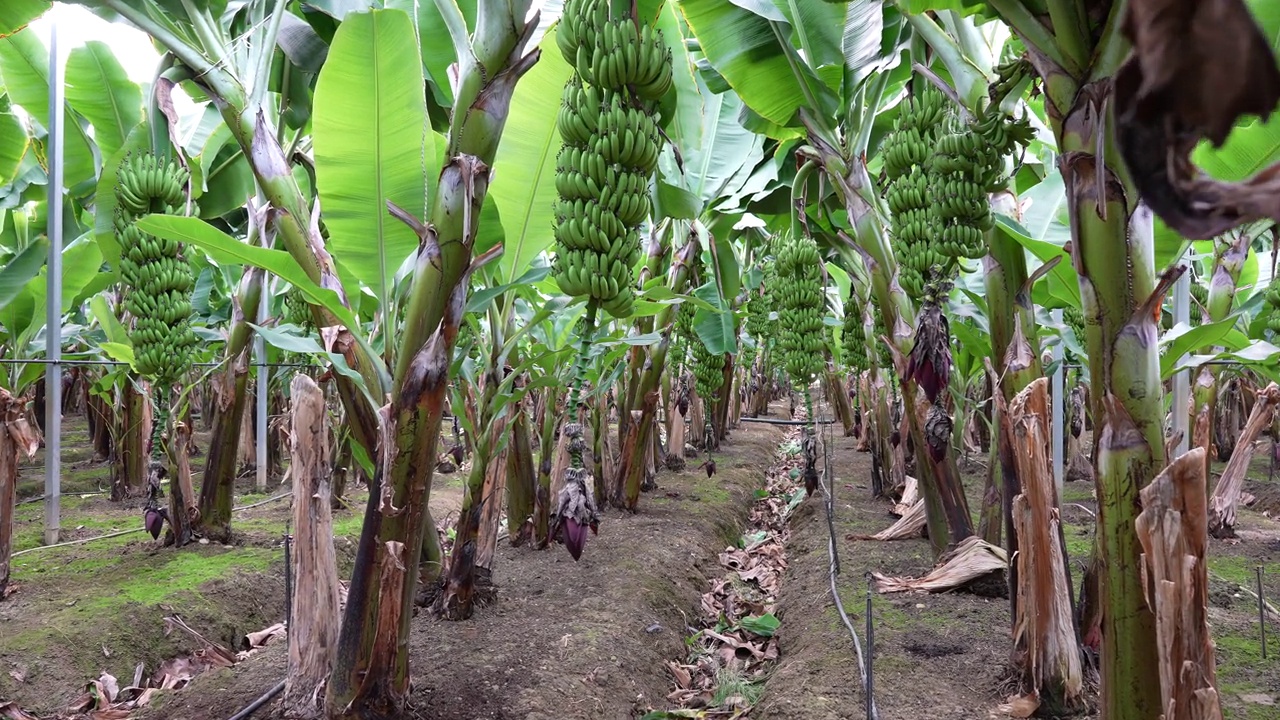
(1044,627)
(313,624)
(1172,528)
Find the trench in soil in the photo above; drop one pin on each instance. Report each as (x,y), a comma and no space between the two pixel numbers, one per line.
(590,639)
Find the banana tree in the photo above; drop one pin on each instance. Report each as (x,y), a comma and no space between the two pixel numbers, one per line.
(491,59)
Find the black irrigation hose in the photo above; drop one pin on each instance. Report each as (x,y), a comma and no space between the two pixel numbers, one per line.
(252,707)
(834,569)
(771,421)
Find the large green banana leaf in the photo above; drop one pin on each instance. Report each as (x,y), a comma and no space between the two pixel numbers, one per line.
(19,270)
(99,89)
(524,188)
(748,50)
(23,315)
(24,62)
(13,145)
(16,13)
(372,144)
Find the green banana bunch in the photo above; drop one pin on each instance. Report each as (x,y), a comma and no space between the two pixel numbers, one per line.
(617,53)
(1009,75)
(957,196)
(158,279)
(1073,318)
(1200,293)
(708,371)
(855,335)
(1273,302)
(611,143)
(296,309)
(1002,136)
(757,320)
(884,358)
(913,226)
(800,302)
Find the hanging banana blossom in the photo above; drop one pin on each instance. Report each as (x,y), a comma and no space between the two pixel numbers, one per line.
(575,511)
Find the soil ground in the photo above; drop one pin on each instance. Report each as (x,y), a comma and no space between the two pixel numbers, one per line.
(943,656)
(574,640)
(561,639)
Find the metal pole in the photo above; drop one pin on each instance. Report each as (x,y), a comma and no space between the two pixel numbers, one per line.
(1059,426)
(1262,615)
(260,349)
(1182,379)
(53,302)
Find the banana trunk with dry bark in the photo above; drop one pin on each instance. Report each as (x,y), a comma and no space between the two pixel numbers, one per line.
(1226,496)
(17,437)
(313,620)
(1044,633)
(371,673)
(631,470)
(1175,544)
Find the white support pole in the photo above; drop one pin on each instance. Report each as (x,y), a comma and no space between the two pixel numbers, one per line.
(260,418)
(53,302)
(1059,424)
(1182,379)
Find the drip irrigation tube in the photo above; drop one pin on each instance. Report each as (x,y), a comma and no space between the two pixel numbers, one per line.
(834,569)
(252,707)
(82,541)
(769,421)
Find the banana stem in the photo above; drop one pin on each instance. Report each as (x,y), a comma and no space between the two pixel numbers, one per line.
(160,396)
(798,187)
(579,366)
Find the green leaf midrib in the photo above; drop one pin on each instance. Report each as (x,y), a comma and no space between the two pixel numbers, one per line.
(380,217)
(533,191)
(111,96)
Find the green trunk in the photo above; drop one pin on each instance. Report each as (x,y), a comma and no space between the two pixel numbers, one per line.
(1114,258)
(371,673)
(546,458)
(629,474)
(458,594)
(654,262)
(218,484)
(1013,324)
(948,519)
(1227,265)
(521,479)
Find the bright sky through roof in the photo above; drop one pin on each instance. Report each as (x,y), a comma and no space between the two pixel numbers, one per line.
(132,47)
(76,26)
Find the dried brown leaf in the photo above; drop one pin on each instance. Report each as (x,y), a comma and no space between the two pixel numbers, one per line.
(1197,66)
(11,711)
(264,637)
(682,676)
(1022,706)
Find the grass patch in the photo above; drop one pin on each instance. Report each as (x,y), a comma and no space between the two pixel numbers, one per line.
(1079,540)
(732,684)
(187,571)
(1081,492)
(1239,570)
